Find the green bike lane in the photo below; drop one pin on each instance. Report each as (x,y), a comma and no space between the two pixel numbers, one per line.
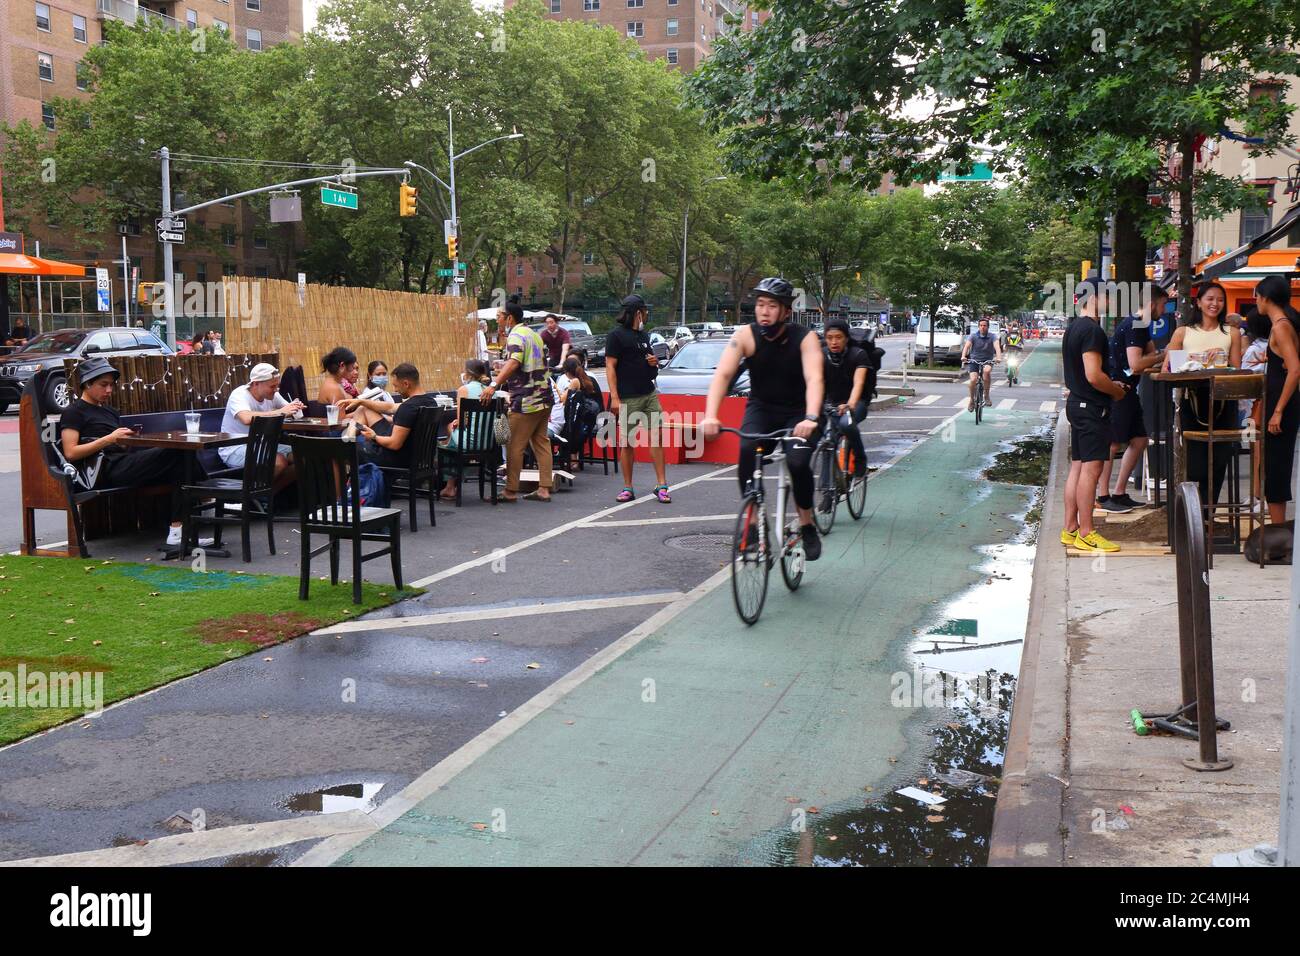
(699,741)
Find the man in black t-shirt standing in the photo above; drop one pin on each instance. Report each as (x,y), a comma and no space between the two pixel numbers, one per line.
(90,426)
(1131,353)
(1085,355)
(631,368)
(845,372)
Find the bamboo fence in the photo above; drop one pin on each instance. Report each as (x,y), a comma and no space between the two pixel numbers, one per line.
(166,383)
(431,332)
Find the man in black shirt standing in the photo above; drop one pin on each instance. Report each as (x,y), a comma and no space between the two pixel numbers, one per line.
(1085,354)
(631,368)
(90,426)
(845,373)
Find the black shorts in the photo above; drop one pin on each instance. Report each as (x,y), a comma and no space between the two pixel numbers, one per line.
(1090,433)
(1126,421)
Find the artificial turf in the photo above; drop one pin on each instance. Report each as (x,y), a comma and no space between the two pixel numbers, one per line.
(142,625)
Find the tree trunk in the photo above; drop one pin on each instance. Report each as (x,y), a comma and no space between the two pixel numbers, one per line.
(1130,250)
(1187,224)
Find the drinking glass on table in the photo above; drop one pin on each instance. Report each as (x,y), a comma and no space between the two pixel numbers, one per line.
(332,414)
(192,423)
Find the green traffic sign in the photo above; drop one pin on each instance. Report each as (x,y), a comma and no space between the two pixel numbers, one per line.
(977,173)
(338,197)
(444,273)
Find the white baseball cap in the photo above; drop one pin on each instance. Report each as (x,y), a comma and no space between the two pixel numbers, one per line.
(263,372)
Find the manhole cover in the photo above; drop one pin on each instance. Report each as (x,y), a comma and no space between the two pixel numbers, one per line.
(717,544)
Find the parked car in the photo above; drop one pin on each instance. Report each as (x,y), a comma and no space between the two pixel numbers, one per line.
(690,371)
(50,349)
(580,336)
(675,335)
(705,328)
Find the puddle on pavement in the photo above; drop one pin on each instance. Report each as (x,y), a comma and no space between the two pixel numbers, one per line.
(337,799)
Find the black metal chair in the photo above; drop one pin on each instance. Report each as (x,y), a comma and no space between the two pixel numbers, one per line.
(587,455)
(476,445)
(423,469)
(253,491)
(329,503)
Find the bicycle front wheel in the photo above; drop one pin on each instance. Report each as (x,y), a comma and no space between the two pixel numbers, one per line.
(825,487)
(749,560)
(857,493)
(979,402)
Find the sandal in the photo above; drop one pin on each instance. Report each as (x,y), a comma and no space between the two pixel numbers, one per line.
(626,495)
(534,496)
(507,499)
(661,492)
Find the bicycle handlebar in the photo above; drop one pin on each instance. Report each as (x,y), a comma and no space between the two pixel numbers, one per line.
(782,433)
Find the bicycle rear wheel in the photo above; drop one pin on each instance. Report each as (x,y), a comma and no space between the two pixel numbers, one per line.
(749,560)
(857,492)
(825,487)
(979,400)
(792,556)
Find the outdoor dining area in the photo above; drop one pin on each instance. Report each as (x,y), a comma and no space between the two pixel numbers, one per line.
(222,443)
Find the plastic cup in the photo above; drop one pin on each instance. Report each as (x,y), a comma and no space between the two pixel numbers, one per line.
(332,414)
(192,423)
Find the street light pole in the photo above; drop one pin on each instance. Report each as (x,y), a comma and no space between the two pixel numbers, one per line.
(169,270)
(455,225)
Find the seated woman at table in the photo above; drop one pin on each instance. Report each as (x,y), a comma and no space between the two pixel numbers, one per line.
(341,372)
(472,379)
(377,377)
(1208,332)
(90,426)
(574,377)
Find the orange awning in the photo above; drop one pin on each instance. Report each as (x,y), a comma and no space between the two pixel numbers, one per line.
(12,263)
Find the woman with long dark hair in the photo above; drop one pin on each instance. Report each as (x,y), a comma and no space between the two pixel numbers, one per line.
(1208,332)
(1281,418)
(341,370)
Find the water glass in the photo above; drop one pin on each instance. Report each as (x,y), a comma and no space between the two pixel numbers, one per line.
(192,423)
(332,414)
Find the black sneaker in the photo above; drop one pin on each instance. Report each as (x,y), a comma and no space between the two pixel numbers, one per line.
(1129,501)
(1115,505)
(812,543)
(1101,500)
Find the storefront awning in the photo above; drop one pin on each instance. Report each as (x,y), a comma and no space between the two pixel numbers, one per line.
(12,263)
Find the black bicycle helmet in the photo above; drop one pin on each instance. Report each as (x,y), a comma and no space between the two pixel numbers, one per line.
(776,288)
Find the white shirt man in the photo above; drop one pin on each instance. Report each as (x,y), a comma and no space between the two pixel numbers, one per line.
(481,337)
(260,398)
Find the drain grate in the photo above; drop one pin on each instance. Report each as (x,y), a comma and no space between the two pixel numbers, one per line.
(711,544)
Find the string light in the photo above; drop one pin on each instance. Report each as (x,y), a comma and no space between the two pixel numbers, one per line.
(190,391)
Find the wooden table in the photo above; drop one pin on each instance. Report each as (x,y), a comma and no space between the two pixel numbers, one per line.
(1167,421)
(184,441)
(310,425)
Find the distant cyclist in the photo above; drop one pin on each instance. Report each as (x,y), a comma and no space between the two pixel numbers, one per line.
(785,391)
(980,347)
(846,371)
(1015,339)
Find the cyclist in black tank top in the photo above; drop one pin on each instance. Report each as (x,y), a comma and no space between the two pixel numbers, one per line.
(785,391)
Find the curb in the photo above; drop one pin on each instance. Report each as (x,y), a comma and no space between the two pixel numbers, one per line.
(1028,818)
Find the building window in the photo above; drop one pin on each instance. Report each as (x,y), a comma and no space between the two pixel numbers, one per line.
(1256,219)
(590,4)
(704,33)
(259,239)
(638,283)
(588,258)
(635,4)
(635,28)
(228,235)
(253,39)
(672,55)
(192,19)
(201,271)
(519,267)
(253,4)
(672,3)
(47,115)
(79,28)
(82,72)
(228,269)
(45,66)
(555,6)
(519,290)
(43,17)
(672,26)
(220,25)
(753,19)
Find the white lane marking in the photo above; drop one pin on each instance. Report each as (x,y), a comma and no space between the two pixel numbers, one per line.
(676,519)
(43,546)
(495,613)
(919,430)
(928,400)
(446,769)
(546,535)
(960,403)
(1006,403)
(1047,407)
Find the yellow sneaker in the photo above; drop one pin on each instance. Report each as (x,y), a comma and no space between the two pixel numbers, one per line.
(1094,542)
(1067,537)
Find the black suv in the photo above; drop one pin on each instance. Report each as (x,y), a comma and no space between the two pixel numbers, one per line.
(49,349)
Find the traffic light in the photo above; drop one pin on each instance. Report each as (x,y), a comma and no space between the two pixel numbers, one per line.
(1151,272)
(407,195)
(451,247)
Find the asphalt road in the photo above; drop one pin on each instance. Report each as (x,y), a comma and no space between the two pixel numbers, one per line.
(528,584)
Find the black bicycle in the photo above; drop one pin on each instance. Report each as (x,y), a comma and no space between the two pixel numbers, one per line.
(834,467)
(754,549)
(979,389)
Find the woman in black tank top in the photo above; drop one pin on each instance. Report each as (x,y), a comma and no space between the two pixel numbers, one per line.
(1273,297)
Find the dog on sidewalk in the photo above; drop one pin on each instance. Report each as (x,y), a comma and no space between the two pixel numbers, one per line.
(1277,541)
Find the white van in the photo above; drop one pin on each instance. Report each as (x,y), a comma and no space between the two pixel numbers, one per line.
(948,337)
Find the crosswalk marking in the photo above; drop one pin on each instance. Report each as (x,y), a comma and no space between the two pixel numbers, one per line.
(961,403)
(928,400)
(1006,403)
(1047,407)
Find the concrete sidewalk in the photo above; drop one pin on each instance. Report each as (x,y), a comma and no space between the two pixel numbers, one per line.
(1081,788)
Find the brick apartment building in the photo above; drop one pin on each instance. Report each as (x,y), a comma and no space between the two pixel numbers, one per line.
(41,44)
(678,31)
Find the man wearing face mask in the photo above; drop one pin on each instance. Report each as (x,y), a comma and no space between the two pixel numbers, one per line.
(786,389)
(631,367)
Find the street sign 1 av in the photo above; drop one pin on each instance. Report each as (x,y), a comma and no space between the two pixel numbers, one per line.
(444,273)
(338,197)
